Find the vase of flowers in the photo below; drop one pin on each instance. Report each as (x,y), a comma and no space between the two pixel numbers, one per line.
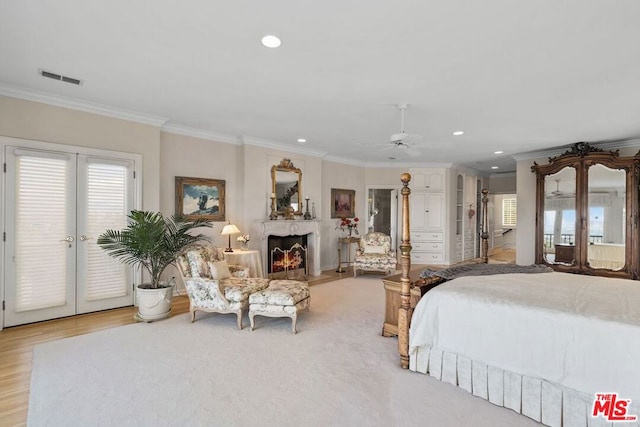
(349,225)
(244,241)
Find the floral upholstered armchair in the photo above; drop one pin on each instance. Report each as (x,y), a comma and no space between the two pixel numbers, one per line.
(211,285)
(374,254)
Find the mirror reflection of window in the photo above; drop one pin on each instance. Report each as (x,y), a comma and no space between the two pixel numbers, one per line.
(596,224)
(549,227)
(568,230)
(607,217)
(560,216)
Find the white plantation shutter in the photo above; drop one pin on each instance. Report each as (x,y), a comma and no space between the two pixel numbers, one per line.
(41,219)
(509,207)
(107,207)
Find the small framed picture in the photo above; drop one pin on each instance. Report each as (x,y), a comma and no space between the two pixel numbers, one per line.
(200,198)
(343,203)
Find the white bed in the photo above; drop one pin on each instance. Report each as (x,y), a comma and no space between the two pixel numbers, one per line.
(540,344)
(606,255)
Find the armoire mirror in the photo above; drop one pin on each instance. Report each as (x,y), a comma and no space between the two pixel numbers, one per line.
(286,180)
(586,218)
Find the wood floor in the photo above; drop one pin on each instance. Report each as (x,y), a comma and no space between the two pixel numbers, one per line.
(16,347)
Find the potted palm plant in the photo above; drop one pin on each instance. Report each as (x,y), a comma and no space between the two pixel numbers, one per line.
(152,242)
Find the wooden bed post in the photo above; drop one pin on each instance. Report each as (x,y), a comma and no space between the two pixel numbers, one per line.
(484,234)
(404,312)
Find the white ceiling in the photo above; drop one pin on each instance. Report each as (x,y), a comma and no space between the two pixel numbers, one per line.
(516,76)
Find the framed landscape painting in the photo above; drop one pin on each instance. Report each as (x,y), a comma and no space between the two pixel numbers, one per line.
(200,198)
(343,203)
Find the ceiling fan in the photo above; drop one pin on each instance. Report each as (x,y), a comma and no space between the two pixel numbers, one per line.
(557,193)
(402,142)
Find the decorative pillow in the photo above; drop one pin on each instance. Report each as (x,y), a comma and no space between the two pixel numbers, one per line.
(239,271)
(372,249)
(219,270)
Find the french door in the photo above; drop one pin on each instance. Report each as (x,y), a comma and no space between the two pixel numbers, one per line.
(57,202)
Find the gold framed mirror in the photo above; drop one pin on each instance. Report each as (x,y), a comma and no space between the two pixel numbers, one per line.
(286,187)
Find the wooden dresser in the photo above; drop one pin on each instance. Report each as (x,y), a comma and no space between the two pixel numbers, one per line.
(392,297)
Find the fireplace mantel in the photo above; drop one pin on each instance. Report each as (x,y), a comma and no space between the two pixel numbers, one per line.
(310,228)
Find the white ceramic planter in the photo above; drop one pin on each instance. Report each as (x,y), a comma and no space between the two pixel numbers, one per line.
(154,304)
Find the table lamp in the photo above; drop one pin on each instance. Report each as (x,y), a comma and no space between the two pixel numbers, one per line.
(229,229)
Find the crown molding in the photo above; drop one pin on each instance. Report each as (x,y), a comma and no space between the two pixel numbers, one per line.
(403,165)
(503,175)
(200,133)
(539,154)
(343,160)
(80,105)
(609,146)
(251,140)
(615,145)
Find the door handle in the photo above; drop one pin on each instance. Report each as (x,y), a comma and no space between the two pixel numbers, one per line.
(68,239)
(84,238)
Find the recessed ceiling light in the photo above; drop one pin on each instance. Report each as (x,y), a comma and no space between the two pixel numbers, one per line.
(458,133)
(271,41)
(302,140)
(498,152)
(494,167)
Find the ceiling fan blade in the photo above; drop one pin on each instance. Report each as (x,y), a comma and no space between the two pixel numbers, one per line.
(412,152)
(386,148)
(404,137)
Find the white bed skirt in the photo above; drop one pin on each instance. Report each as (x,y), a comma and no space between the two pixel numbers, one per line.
(545,402)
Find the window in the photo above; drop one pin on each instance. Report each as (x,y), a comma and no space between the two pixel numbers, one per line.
(509,212)
(596,224)
(568,227)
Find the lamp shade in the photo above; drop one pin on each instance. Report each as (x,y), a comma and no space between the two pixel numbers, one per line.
(229,229)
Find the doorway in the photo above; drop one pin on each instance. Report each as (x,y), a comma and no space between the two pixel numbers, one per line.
(382,211)
(57,200)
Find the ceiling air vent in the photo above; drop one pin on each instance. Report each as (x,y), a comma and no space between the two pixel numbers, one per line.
(59,77)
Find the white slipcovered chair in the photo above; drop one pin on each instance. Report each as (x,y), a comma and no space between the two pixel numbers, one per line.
(211,285)
(374,254)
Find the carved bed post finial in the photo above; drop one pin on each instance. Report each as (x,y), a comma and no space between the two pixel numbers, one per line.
(484,234)
(404,312)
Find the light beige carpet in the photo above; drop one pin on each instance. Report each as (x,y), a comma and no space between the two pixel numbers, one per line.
(337,371)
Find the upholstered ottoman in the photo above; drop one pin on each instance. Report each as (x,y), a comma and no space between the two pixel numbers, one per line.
(283,298)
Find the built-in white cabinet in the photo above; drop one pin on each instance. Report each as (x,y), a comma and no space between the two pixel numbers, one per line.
(428,179)
(442,232)
(427,247)
(427,211)
(428,216)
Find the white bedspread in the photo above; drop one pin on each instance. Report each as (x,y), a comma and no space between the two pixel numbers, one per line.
(580,332)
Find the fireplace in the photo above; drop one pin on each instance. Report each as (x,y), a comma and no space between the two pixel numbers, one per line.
(305,233)
(287,257)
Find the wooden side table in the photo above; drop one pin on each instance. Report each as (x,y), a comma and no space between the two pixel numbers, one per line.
(392,297)
(345,241)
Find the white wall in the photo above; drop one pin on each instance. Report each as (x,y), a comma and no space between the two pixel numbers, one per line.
(526,212)
(199,158)
(245,168)
(503,183)
(338,175)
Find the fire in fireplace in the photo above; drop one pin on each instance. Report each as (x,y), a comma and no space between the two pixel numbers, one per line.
(287,257)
